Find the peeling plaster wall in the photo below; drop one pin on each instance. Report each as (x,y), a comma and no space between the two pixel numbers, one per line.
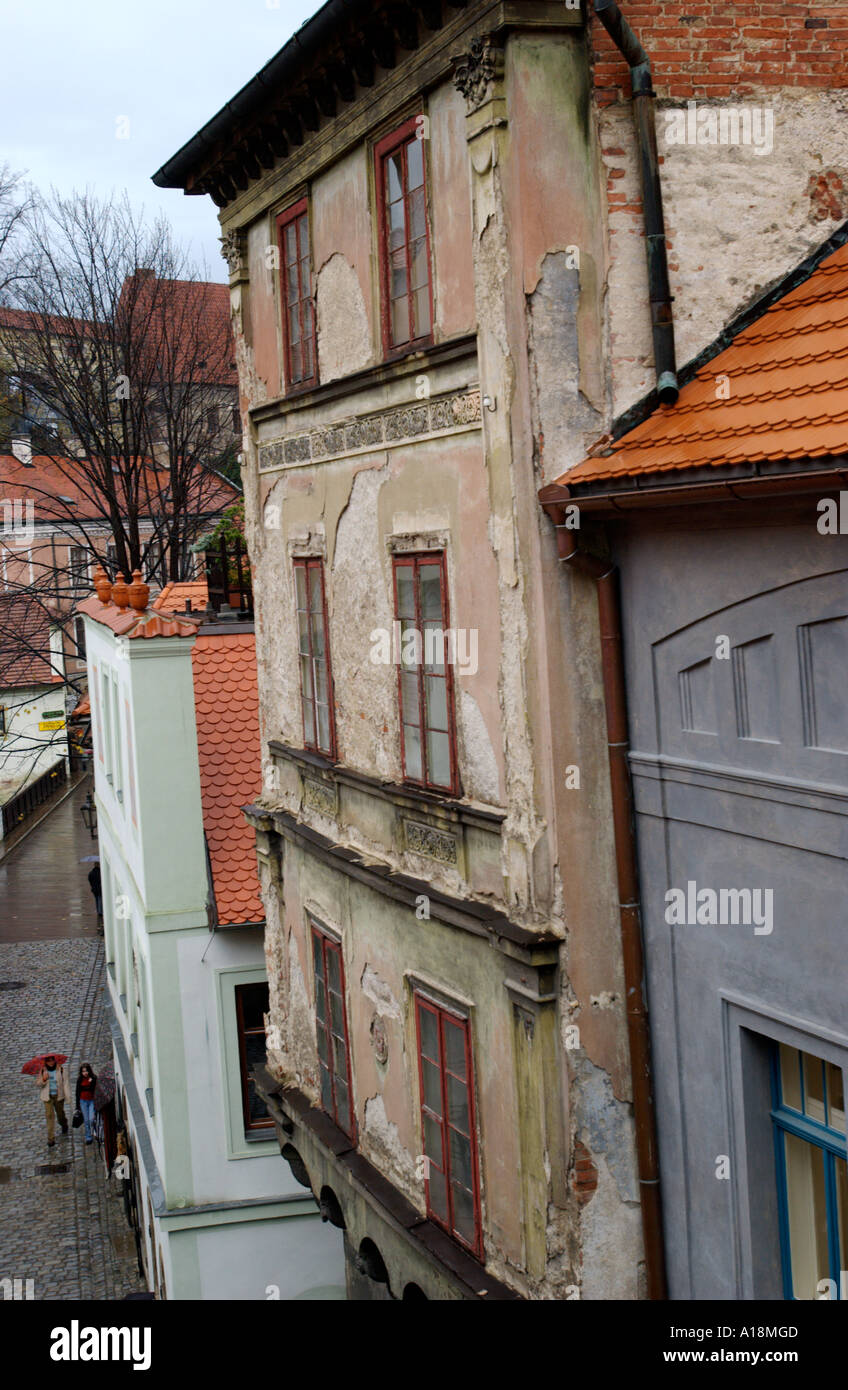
(736,220)
(450,213)
(342,246)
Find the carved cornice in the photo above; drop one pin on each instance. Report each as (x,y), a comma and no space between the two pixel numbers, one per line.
(478,73)
(233,252)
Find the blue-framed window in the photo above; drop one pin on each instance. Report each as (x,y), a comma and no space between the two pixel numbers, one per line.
(808,1111)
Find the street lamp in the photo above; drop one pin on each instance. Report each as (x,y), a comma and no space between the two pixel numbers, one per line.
(88,811)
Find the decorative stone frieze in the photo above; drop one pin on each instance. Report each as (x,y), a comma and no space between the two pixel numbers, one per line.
(385,429)
(435,844)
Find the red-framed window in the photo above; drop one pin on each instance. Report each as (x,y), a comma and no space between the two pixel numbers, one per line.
(331,1029)
(425,673)
(446,1078)
(407,288)
(316,678)
(301,361)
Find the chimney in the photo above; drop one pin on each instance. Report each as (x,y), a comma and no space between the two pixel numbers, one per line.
(22,450)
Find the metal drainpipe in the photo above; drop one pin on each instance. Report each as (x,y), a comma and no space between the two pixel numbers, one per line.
(659,289)
(615,703)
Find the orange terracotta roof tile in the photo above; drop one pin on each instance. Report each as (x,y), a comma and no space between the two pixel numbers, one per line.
(125,622)
(173,597)
(226,699)
(787,385)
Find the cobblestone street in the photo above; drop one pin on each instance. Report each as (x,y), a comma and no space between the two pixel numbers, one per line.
(62,1221)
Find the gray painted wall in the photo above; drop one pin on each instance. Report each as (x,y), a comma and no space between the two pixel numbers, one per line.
(740,780)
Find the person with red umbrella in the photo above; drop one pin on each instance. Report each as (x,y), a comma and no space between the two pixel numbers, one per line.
(54,1089)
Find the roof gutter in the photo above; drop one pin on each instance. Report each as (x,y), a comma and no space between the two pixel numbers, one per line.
(615,702)
(659,289)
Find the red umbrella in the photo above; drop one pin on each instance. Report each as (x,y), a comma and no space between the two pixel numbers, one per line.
(35,1064)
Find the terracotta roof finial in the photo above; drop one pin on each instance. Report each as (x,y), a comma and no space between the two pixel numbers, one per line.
(102,586)
(120,592)
(139,592)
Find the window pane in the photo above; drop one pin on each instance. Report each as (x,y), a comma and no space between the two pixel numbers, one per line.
(429,1027)
(339,1057)
(412,751)
(397,225)
(433,1140)
(294,325)
(316,596)
(326,1091)
(291,243)
(400,320)
(437,703)
(308,721)
(307,317)
(421,309)
(458,1104)
(841,1172)
(300,585)
(790,1076)
(814,1087)
(454,1048)
(437,647)
(321,685)
(255,1056)
(342,1104)
(323,727)
(430,577)
(417,217)
(405,591)
(319,1002)
(296,362)
(399,284)
(303,632)
(438,759)
(410,647)
(460,1158)
(292,287)
(394,176)
(323,1048)
(308,359)
(318,636)
(254,1005)
(432,1086)
(437,1194)
(835,1101)
(334,973)
(415,163)
(463,1214)
(418,265)
(306,678)
(805,1188)
(409,690)
(303,224)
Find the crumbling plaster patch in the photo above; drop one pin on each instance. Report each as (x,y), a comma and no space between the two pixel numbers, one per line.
(480,767)
(382,1138)
(376,989)
(344,334)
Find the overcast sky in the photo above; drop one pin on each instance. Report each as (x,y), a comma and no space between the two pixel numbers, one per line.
(74,68)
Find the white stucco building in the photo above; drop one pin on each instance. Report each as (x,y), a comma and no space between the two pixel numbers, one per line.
(176,744)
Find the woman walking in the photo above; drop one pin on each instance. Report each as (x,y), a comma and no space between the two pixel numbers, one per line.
(86,1081)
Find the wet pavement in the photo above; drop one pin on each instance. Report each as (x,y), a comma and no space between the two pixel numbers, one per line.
(44,889)
(62,1223)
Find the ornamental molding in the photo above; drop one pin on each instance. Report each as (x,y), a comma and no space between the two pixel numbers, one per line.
(476,72)
(321,797)
(435,844)
(233,251)
(387,429)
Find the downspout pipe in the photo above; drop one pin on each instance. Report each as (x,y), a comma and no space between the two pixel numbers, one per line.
(612,663)
(659,289)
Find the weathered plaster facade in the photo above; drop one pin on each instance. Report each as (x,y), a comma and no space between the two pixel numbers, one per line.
(443,451)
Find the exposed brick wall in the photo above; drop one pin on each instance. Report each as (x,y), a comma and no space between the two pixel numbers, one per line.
(584,1176)
(712,48)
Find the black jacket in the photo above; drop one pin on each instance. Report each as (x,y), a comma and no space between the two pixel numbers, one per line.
(79,1089)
